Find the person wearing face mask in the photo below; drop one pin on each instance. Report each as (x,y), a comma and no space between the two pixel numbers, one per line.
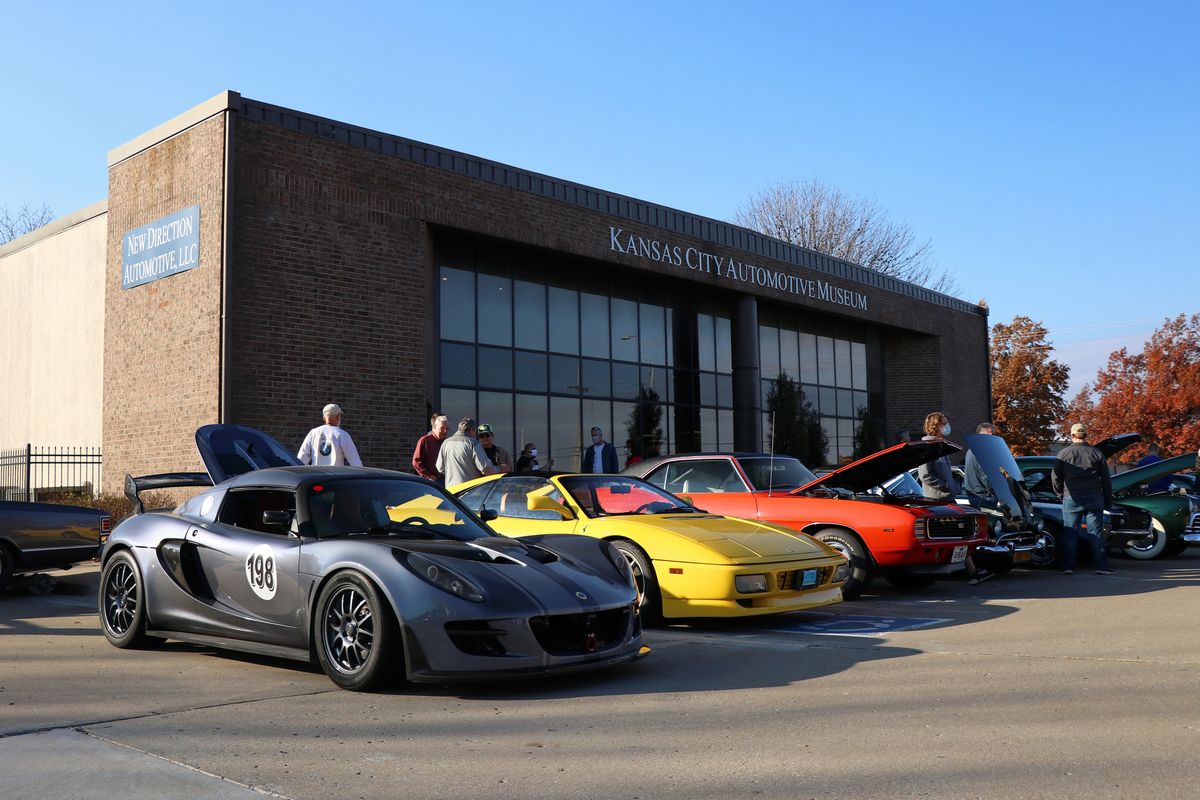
(633,453)
(528,460)
(937,482)
(600,456)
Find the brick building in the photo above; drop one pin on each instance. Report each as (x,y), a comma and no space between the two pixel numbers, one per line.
(303,260)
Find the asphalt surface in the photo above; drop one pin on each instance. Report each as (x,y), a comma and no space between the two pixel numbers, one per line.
(1033,685)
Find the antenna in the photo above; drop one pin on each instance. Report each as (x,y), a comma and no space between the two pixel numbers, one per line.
(771,472)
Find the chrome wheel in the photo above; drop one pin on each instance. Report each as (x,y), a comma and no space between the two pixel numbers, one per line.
(644,579)
(349,629)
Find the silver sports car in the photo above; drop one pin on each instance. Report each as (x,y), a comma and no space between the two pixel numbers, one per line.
(375,574)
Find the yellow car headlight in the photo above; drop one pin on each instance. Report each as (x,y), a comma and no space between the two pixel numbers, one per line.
(750,584)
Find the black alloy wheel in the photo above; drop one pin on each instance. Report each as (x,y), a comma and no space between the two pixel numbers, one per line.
(356,635)
(122,603)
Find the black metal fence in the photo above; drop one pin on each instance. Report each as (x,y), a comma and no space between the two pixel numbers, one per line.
(29,472)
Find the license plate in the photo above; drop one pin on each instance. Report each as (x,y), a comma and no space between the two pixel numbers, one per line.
(1024,555)
(959,555)
(809,580)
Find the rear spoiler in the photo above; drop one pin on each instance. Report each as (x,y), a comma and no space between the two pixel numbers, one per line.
(167,480)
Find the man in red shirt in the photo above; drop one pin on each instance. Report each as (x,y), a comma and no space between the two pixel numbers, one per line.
(425,456)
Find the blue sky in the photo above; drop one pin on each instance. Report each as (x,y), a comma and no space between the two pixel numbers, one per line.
(1048,150)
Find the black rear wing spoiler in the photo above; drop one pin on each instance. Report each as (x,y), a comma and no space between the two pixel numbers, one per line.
(167,480)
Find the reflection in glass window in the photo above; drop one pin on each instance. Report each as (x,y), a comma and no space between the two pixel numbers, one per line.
(495,368)
(808,358)
(841,358)
(623,423)
(593,321)
(828,403)
(564,320)
(789,354)
(531,426)
(708,430)
(658,381)
(725,429)
(825,363)
(458,304)
(530,375)
(724,342)
(598,413)
(708,389)
(625,381)
(456,404)
(858,354)
(566,434)
(529,315)
(624,330)
(706,342)
(768,351)
(845,403)
(725,391)
(652,334)
(458,364)
(596,382)
(496,409)
(860,401)
(564,374)
(495,310)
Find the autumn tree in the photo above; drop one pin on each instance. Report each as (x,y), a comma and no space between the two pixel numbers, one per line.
(1027,385)
(796,425)
(1155,392)
(22,221)
(820,217)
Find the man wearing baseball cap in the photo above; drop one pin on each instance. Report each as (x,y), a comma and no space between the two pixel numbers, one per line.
(328,445)
(1080,477)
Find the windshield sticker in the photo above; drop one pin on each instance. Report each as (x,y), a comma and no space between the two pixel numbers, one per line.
(260,571)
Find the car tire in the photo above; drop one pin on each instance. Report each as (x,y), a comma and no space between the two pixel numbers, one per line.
(861,569)
(355,633)
(1175,547)
(1153,547)
(8,564)
(1046,557)
(649,596)
(903,579)
(122,603)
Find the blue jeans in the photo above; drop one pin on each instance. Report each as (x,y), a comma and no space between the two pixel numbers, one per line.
(1093,513)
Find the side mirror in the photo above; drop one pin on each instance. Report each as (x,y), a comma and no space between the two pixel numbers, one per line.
(487,515)
(277,519)
(543,503)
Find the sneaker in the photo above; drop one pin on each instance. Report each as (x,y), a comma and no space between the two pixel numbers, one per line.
(1106,572)
(1068,572)
(981,576)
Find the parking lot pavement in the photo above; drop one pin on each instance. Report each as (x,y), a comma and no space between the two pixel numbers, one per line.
(1032,685)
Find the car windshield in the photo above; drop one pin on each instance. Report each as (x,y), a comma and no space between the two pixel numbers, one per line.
(780,472)
(903,485)
(382,507)
(610,496)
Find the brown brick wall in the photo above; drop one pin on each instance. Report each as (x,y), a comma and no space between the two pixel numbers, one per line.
(332,237)
(162,339)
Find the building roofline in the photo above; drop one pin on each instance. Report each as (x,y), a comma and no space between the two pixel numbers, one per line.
(53,228)
(224,101)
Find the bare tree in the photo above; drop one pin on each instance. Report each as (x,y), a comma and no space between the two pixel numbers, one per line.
(22,221)
(823,218)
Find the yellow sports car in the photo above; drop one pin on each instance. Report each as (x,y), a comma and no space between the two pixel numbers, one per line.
(687,563)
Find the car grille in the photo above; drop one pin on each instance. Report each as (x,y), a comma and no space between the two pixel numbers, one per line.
(477,638)
(579,634)
(1193,525)
(791,580)
(956,527)
(1128,518)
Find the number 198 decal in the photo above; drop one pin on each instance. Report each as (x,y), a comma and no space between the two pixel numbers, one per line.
(260,571)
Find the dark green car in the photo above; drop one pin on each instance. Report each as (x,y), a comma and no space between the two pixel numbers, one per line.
(1171,513)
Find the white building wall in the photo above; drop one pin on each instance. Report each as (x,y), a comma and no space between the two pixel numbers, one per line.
(52,333)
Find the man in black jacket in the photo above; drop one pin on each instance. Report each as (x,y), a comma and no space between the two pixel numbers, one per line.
(1080,477)
(601,456)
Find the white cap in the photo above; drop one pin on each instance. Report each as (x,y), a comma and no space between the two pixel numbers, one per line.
(331,410)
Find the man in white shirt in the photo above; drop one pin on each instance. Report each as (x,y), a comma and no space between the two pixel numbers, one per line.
(328,445)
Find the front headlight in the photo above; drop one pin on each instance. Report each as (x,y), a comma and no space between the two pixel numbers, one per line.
(750,584)
(444,578)
(622,564)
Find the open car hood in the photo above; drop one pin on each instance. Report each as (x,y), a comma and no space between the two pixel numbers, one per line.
(873,470)
(232,450)
(1153,471)
(1115,444)
(1003,474)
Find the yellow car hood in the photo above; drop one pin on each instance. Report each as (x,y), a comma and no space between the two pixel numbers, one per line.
(738,539)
